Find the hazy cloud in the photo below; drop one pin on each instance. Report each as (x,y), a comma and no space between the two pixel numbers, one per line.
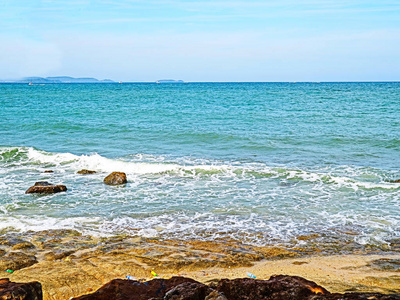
(21,57)
(202,40)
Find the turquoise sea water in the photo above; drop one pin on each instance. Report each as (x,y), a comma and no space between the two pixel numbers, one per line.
(261,162)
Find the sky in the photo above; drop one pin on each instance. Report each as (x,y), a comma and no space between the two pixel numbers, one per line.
(208,40)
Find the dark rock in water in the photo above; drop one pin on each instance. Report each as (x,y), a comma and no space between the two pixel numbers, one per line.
(281,287)
(57,254)
(385,264)
(395,181)
(48,171)
(9,240)
(115,178)
(86,172)
(20,291)
(44,187)
(16,261)
(122,289)
(23,245)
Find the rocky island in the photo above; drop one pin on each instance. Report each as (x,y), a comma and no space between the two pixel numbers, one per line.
(57,79)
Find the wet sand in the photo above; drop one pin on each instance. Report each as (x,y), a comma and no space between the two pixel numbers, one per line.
(69,264)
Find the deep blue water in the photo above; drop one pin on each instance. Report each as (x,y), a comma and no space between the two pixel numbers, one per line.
(264,162)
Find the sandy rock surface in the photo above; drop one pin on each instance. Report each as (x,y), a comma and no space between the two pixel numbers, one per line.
(68,264)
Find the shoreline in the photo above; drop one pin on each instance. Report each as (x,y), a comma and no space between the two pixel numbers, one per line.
(68,264)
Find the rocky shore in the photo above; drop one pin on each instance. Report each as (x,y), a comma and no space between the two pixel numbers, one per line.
(69,264)
(282,287)
(62,264)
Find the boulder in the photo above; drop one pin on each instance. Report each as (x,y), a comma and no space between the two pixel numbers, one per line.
(280,287)
(20,291)
(86,172)
(122,289)
(277,287)
(115,178)
(44,187)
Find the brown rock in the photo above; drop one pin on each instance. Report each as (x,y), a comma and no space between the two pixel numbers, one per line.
(121,289)
(57,254)
(44,187)
(395,181)
(23,245)
(360,296)
(214,295)
(115,178)
(277,287)
(86,172)
(280,287)
(8,240)
(48,171)
(188,291)
(20,291)
(16,261)
(284,287)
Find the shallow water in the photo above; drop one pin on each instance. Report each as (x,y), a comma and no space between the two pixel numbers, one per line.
(261,162)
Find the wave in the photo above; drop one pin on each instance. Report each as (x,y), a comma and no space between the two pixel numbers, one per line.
(198,198)
(143,164)
(205,226)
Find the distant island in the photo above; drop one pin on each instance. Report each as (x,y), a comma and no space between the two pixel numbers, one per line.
(69,79)
(58,79)
(169,81)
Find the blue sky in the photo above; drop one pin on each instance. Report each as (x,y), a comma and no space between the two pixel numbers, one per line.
(146,40)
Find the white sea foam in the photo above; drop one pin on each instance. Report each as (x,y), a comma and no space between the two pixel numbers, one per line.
(157,165)
(253,229)
(39,223)
(53,158)
(102,164)
(198,198)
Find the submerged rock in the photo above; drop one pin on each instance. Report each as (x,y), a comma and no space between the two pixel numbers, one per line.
(115,178)
(385,264)
(23,245)
(16,261)
(20,291)
(86,172)
(44,187)
(57,254)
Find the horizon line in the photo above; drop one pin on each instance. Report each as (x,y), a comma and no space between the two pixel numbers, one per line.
(155,81)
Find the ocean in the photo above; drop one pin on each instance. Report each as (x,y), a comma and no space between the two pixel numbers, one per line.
(264,163)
